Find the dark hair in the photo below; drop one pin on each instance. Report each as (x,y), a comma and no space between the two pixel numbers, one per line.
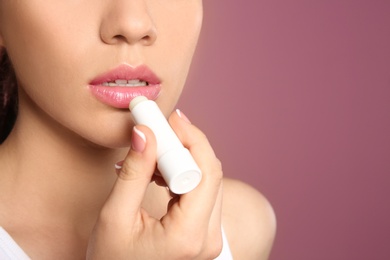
(8,96)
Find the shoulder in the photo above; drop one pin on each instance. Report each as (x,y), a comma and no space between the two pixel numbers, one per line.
(249,221)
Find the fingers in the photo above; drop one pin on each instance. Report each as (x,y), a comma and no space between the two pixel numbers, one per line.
(203,204)
(192,227)
(134,175)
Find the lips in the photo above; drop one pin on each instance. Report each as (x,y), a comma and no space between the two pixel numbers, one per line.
(119,86)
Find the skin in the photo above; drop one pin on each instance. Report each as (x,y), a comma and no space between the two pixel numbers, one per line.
(60,197)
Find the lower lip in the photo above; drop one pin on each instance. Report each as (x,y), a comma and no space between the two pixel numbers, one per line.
(120,97)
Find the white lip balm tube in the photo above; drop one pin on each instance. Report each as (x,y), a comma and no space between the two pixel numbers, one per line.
(174,161)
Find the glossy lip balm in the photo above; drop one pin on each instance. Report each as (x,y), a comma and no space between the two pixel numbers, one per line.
(174,161)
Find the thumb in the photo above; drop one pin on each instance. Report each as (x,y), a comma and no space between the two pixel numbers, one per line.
(134,176)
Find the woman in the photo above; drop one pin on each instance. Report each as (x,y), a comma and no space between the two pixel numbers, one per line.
(77,65)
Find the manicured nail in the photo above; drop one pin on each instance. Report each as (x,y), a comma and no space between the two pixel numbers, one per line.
(183,116)
(138,140)
(118,165)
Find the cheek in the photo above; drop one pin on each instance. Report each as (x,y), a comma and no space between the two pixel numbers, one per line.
(45,49)
(40,41)
(178,28)
(49,60)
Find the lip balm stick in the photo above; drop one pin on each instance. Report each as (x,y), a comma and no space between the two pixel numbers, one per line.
(174,161)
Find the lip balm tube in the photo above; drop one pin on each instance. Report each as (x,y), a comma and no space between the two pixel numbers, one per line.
(174,161)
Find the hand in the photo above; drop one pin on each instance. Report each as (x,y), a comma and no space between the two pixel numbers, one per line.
(191,229)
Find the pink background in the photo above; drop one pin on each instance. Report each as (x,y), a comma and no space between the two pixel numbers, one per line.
(295,98)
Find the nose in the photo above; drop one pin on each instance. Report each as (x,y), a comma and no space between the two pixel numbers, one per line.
(127,21)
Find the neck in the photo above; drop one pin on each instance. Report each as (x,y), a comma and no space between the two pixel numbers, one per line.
(54,174)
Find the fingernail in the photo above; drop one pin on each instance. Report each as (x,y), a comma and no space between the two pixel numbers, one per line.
(118,165)
(138,140)
(183,116)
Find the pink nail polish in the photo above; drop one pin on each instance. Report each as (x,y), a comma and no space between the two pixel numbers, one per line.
(138,140)
(183,116)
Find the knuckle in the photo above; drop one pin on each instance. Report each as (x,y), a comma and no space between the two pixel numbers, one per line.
(218,166)
(199,137)
(192,250)
(106,217)
(214,248)
(202,136)
(189,244)
(216,170)
(129,172)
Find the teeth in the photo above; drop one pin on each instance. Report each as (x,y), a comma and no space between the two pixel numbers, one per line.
(126,83)
(121,81)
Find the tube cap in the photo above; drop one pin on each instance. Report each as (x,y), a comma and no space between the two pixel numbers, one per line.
(180,171)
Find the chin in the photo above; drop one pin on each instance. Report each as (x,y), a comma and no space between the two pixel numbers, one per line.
(101,138)
(110,142)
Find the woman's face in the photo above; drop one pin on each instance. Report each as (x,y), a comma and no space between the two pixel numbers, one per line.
(65,52)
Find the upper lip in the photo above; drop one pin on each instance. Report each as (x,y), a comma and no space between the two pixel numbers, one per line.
(127,72)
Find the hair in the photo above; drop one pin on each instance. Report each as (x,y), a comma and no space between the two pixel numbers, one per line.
(8,96)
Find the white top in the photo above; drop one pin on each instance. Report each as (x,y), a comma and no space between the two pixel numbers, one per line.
(226,254)
(9,250)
